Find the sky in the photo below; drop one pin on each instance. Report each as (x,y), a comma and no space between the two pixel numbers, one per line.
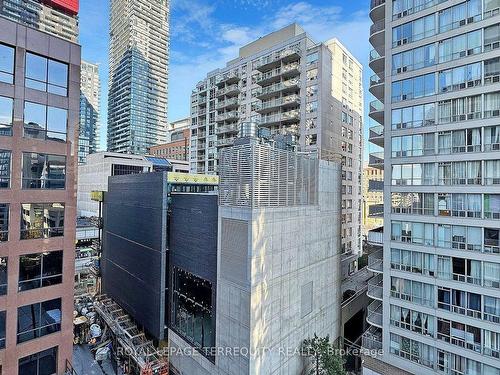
(205,34)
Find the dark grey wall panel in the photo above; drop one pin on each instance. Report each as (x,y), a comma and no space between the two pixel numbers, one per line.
(193,234)
(134,247)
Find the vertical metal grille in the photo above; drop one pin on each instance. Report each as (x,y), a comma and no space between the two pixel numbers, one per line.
(256,175)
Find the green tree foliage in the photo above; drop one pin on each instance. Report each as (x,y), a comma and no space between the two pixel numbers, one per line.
(324,359)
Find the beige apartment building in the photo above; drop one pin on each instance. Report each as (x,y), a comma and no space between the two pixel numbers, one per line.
(373,198)
(290,85)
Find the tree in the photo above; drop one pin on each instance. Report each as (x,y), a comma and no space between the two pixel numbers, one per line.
(324,360)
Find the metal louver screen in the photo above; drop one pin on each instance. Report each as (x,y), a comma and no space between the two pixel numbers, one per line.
(234,251)
(255,175)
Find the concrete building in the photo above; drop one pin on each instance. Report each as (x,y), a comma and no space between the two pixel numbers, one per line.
(177,148)
(38,139)
(277,249)
(56,17)
(138,75)
(373,199)
(94,174)
(437,296)
(286,83)
(90,110)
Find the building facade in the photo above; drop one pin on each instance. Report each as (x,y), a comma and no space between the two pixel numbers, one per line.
(39,96)
(138,75)
(373,198)
(56,17)
(278,246)
(177,148)
(90,109)
(285,82)
(437,88)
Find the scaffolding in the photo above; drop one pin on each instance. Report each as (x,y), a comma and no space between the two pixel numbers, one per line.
(135,344)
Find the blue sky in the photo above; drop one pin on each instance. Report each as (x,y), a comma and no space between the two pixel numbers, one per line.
(207,33)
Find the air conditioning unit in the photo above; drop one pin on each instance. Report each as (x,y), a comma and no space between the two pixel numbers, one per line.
(495,112)
(470,19)
(495,45)
(405,68)
(462,22)
(462,54)
(398,70)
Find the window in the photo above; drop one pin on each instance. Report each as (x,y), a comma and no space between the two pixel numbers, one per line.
(402,8)
(413,291)
(312,107)
(412,261)
(41,363)
(312,74)
(4,222)
(42,220)
(492,206)
(413,174)
(491,8)
(412,350)
(459,15)
(492,172)
(5,166)
(491,37)
(119,169)
(413,31)
(460,46)
(3,276)
(44,122)
(413,117)
(46,74)
(417,233)
(460,78)
(6,64)
(413,145)
(6,115)
(40,269)
(412,320)
(41,171)
(192,309)
(492,71)
(414,59)
(413,203)
(38,319)
(413,88)
(3,316)
(461,109)
(312,58)
(459,173)
(492,105)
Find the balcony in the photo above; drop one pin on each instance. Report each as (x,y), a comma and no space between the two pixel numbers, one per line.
(374,316)
(201,145)
(372,339)
(231,90)
(377,86)
(228,116)
(280,118)
(272,105)
(228,104)
(377,62)
(274,60)
(376,135)
(375,287)
(232,128)
(376,237)
(376,160)
(283,87)
(377,10)
(377,111)
(228,78)
(225,142)
(375,262)
(377,35)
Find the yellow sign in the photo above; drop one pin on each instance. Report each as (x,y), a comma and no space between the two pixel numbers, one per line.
(96,195)
(192,178)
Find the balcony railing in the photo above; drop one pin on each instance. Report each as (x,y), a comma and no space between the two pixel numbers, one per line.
(376,236)
(374,55)
(290,99)
(280,117)
(227,103)
(376,106)
(377,26)
(277,56)
(375,262)
(225,142)
(376,80)
(291,83)
(228,89)
(372,339)
(376,158)
(228,115)
(374,316)
(375,287)
(376,3)
(232,128)
(377,131)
